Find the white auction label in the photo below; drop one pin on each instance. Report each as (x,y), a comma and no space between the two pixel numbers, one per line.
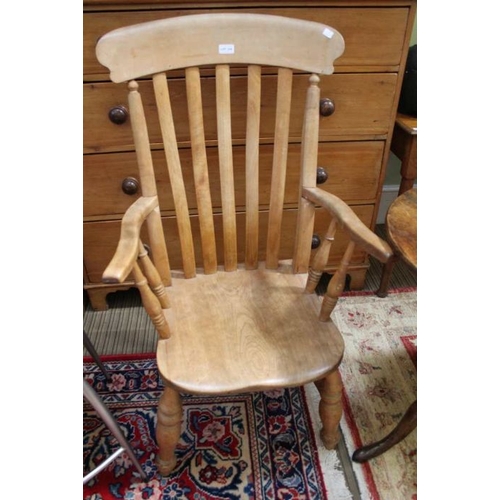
(328,33)
(226,48)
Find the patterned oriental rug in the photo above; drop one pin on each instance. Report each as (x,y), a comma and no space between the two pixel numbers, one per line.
(379,373)
(266,445)
(257,446)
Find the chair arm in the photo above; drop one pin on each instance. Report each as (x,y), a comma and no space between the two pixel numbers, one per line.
(128,246)
(359,233)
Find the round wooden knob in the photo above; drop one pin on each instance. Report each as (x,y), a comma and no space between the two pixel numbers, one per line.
(130,185)
(315,242)
(326,107)
(118,115)
(321,175)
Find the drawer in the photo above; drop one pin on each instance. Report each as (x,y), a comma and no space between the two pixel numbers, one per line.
(374,36)
(363,104)
(353,170)
(100,239)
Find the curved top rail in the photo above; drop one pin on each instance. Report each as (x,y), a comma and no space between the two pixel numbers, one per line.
(207,39)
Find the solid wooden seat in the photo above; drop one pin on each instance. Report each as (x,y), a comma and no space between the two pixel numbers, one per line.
(258,330)
(247,321)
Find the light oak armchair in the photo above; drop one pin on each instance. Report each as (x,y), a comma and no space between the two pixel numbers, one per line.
(237,317)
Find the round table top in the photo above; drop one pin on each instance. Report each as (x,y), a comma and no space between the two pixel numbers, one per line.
(401,226)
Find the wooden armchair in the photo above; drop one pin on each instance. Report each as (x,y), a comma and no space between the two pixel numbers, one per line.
(252,323)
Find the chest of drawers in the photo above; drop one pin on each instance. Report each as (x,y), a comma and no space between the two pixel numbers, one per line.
(358,109)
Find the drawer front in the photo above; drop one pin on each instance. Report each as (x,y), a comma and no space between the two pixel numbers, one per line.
(363,105)
(373,36)
(352,170)
(100,239)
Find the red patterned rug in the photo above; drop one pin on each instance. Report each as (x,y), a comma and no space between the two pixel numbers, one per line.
(379,373)
(255,446)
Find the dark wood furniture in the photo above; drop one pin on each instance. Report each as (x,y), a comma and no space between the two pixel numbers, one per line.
(357,114)
(402,235)
(404,146)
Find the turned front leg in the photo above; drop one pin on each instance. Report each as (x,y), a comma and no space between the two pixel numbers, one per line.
(168,429)
(330,408)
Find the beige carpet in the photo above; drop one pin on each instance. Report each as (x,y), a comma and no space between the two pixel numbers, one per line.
(379,375)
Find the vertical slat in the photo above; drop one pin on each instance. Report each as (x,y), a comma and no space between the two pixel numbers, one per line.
(158,245)
(175,173)
(309,163)
(252,167)
(148,183)
(141,141)
(283,103)
(200,169)
(223,99)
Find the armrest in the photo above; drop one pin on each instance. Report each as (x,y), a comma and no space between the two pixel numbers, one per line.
(128,246)
(359,233)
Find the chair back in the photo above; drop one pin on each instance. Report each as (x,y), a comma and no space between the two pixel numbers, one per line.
(232,173)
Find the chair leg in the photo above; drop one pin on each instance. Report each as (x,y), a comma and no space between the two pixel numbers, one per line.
(330,408)
(168,429)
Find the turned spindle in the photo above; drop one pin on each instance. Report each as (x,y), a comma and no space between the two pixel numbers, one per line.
(336,285)
(151,303)
(309,163)
(321,258)
(148,182)
(153,277)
